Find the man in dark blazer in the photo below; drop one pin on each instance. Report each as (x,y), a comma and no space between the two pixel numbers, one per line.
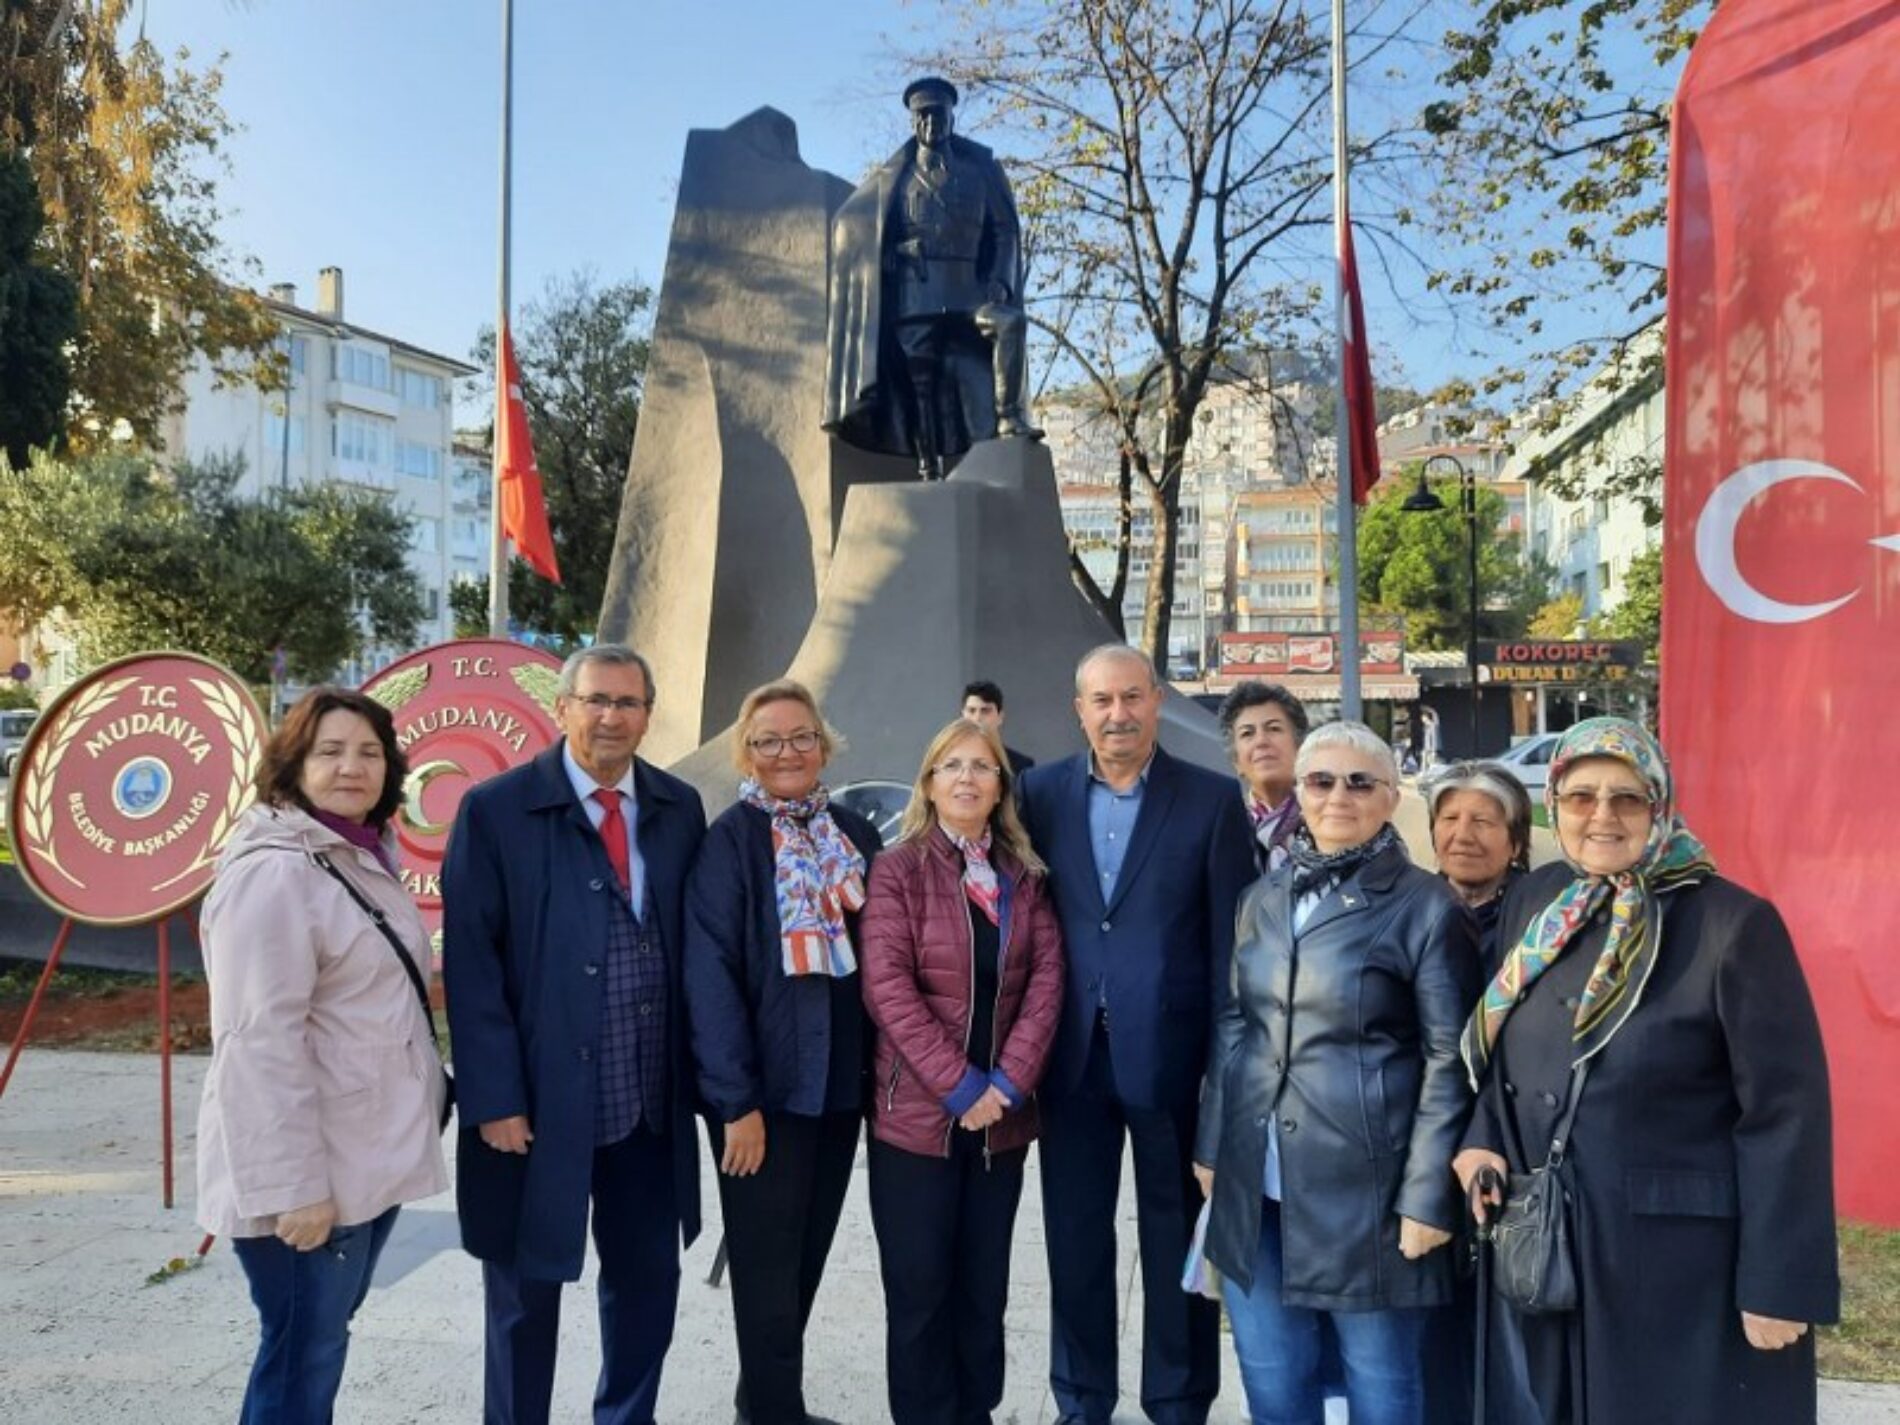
(1147,857)
(562,917)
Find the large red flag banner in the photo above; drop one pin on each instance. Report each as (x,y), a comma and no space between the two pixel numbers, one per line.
(524,510)
(1362,412)
(1781,620)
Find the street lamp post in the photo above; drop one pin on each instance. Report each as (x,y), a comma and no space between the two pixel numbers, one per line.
(1424,501)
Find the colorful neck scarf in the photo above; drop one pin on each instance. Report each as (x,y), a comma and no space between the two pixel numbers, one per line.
(1314,867)
(979,876)
(1273,827)
(818,877)
(1671,858)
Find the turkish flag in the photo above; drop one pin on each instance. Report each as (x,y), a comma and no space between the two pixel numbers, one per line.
(1362,410)
(1781,615)
(524,510)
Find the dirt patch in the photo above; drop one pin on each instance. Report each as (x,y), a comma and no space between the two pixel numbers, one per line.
(124,1019)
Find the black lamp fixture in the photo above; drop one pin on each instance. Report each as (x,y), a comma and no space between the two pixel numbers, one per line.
(1425,501)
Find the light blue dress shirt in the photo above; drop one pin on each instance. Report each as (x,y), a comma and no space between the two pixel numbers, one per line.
(1111,822)
(584,787)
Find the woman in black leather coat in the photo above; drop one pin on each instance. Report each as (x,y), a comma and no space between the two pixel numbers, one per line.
(1335,1099)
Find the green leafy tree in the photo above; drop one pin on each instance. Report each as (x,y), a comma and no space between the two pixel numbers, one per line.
(38,319)
(1417,565)
(468,606)
(127,150)
(135,556)
(582,348)
(1638,616)
(1557,619)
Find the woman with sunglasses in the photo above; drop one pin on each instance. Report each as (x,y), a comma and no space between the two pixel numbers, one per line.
(963,977)
(778,1029)
(1700,1165)
(1334,1099)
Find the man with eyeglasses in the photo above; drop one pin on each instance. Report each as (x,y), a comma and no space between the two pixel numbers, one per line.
(563,896)
(1147,856)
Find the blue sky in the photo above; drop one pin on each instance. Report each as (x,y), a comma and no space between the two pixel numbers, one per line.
(370,136)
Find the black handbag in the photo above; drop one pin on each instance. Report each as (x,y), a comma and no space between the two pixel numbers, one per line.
(409,967)
(1534,1264)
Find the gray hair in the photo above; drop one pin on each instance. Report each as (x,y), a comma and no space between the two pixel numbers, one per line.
(614,655)
(1126,651)
(1497,782)
(1354,735)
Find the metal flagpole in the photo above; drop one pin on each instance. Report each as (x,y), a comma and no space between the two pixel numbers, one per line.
(498,542)
(1349,703)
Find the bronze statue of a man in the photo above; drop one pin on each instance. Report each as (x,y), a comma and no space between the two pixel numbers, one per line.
(925,333)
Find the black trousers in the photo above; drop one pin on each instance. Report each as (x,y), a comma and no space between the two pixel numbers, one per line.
(943,1236)
(779,1224)
(636,1233)
(1082,1137)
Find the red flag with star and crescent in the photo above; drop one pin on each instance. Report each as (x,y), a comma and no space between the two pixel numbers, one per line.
(1781,566)
(524,509)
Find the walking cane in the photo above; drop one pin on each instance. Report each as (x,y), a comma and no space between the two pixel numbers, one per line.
(1486,1188)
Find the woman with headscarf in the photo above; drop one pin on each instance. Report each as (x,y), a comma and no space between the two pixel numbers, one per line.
(778,1030)
(1669,1002)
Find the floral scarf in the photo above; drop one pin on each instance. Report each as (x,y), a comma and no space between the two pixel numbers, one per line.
(1314,867)
(1273,827)
(1671,858)
(979,876)
(818,877)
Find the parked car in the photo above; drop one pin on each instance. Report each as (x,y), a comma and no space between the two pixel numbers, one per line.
(14,726)
(1529,762)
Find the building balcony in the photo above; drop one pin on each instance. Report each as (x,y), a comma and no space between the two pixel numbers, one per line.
(358,397)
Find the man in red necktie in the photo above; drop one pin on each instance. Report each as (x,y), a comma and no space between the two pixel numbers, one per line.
(562,902)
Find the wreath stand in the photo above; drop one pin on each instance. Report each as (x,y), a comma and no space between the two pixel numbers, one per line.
(163,927)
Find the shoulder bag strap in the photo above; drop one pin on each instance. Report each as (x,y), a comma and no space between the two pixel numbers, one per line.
(1560,1138)
(395,941)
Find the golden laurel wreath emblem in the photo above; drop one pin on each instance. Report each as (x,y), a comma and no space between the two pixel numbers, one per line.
(36,799)
(234,715)
(539,682)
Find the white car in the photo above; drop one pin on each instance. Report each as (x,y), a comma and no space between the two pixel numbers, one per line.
(1529,762)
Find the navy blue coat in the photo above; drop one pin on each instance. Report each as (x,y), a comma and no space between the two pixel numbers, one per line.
(1161,945)
(761,1038)
(525,905)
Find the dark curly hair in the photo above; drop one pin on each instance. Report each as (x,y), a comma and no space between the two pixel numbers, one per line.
(281,770)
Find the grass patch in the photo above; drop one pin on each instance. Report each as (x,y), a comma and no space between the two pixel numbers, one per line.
(1866,1345)
(18,977)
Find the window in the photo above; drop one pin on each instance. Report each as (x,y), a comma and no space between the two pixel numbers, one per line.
(426,537)
(419,390)
(299,354)
(363,368)
(274,436)
(424,462)
(432,601)
(467,534)
(360,440)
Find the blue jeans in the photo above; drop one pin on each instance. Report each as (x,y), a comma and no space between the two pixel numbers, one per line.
(305,1301)
(1278,1347)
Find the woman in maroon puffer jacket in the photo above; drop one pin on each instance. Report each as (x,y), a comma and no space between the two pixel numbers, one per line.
(962,970)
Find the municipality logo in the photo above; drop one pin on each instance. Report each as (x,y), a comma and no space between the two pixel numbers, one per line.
(141,787)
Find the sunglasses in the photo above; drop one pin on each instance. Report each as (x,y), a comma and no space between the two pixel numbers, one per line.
(1583,802)
(1357,784)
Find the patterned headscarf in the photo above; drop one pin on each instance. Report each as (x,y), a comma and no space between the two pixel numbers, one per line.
(818,876)
(1671,858)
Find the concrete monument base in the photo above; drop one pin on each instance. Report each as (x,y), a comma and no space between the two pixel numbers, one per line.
(930,586)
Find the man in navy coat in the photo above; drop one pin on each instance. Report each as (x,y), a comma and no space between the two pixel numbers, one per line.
(1147,858)
(562,900)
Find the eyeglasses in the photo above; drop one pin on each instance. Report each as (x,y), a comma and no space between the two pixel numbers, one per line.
(1624,804)
(978,769)
(599,704)
(771,745)
(1357,784)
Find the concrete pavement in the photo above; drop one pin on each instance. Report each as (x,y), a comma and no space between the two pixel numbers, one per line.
(87,1340)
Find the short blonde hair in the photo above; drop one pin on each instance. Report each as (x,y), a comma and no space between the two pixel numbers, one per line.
(1006,827)
(779,690)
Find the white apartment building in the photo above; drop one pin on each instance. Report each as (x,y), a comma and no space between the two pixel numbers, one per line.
(363,409)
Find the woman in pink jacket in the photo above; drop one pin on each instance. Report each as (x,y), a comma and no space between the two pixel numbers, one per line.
(962,971)
(322,1107)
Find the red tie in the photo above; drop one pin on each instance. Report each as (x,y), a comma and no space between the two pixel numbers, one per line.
(613,832)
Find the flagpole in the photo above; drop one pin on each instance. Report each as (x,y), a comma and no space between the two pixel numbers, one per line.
(498,542)
(1349,701)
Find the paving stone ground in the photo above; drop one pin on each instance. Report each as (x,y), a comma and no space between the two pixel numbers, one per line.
(84,1340)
